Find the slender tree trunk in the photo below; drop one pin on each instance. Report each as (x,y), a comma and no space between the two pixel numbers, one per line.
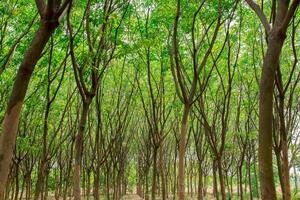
(255,176)
(154,184)
(96,183)
(11,118)
(22,191)
(205,186)
(162,171)
(28,185)
(231,185)
(175,177)
(221,178)
(107,183)
(200,184)
(295,179)
(215,183)
(271,61)
(78,151)
(40,179)
(45,187)
(278,161)
(43,163)
(88,184)
(228,185)
(249,179)
(285,171)
(17,181)
(139,181)
(241,182)
(181,155)
(147,188)
(286,189)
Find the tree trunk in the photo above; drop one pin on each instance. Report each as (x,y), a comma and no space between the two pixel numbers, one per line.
(221,178)
(147,188)
(255,176)
(78,151)
(175,177)
(285,171)
(154,185)
(139,189)
(241,182)
(200,184)
(11,118)
(249,179)
(278,161)
(96,183)
(181,155)
(40,179)
(271,61)
(286,188)
(162,171)
(17,181)
(229,194)
(44,161)
(295,179)
(107,183)
(88,184)
(215,184)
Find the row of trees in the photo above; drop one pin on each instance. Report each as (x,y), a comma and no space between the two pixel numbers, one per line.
(165,98)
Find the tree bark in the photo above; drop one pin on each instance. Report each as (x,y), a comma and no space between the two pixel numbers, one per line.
(240,169)
(275,43)
(78,151)
(181,154)
(221,178)
(286,188)
(249,178)
(96,183)
(215,183)
(154,174)
(162,172)
(200,184)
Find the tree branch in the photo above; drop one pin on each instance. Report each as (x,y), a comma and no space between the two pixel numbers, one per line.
(63,8)
(290,14)
(255,7)
(40,4)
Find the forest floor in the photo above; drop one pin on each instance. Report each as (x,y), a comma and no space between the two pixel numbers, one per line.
(136,197)
(131,197)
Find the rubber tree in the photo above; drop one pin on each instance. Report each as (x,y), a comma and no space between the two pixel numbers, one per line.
(101,49)
(282,118)
(185,91)
(50,98)
(154,106)
(276,35)
(50,15)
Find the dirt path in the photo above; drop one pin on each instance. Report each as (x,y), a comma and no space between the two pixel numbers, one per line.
(131,197)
